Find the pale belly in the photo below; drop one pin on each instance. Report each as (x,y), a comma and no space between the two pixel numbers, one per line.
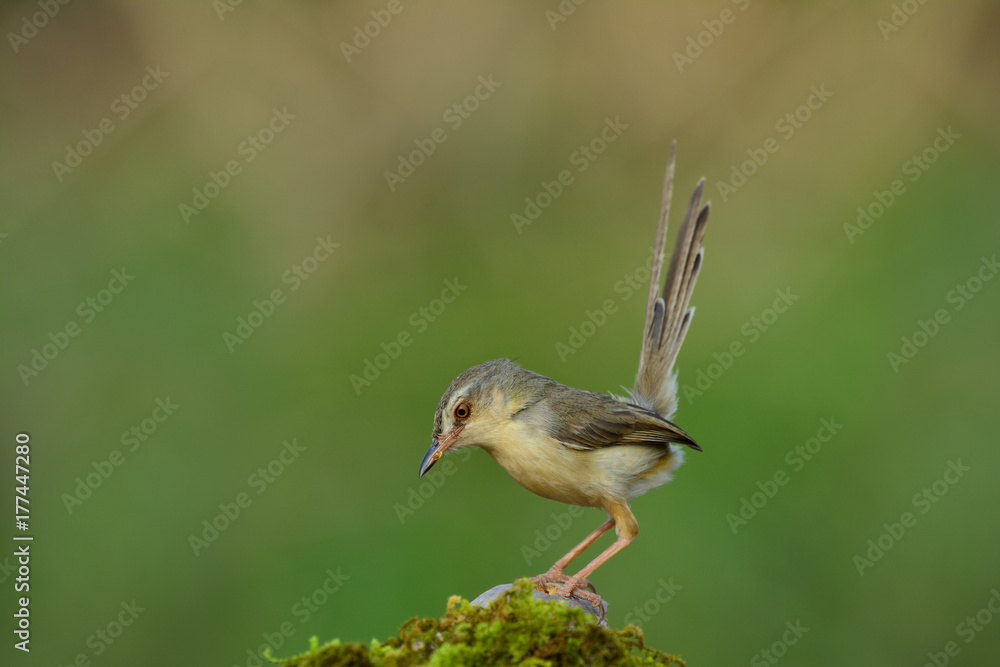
(592,478)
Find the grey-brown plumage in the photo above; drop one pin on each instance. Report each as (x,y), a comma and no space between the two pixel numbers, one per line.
(578,446)
(597,420)
(579,419)
(667,314)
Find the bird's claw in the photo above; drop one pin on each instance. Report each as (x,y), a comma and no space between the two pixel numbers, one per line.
(552,583)
(571,588)
(549,583)
(557,583)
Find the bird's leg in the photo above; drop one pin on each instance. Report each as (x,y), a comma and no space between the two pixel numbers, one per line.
(627,529)
(555,573)
(572,585)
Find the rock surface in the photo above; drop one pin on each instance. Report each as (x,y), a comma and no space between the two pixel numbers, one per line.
(485,598)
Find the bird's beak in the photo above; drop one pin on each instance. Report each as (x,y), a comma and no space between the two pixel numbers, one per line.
(438,448)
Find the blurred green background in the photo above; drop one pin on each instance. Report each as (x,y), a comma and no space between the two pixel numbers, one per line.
(337,536)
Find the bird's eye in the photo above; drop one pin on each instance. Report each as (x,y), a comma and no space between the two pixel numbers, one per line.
(462,411)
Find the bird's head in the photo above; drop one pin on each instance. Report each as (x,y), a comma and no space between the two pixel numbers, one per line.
(479,405)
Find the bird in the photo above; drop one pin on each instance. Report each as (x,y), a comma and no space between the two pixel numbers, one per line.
(582,447)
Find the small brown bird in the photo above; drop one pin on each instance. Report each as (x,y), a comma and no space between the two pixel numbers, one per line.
(581,447)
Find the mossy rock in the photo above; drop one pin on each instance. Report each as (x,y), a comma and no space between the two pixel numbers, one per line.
(516,629)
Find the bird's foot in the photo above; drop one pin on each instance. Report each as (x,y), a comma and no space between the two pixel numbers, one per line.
(555,582)
(572,588)
(551,583)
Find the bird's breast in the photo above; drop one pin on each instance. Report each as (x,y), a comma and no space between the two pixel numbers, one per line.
(589,478)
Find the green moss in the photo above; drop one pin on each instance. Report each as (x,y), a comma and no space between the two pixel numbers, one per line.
(515,629)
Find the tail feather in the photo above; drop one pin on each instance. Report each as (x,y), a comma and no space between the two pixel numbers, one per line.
(668,315)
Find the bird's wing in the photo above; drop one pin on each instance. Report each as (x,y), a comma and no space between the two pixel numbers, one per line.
(601,421)
(668,315)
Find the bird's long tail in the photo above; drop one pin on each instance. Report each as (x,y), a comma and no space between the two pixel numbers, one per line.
(667,315)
